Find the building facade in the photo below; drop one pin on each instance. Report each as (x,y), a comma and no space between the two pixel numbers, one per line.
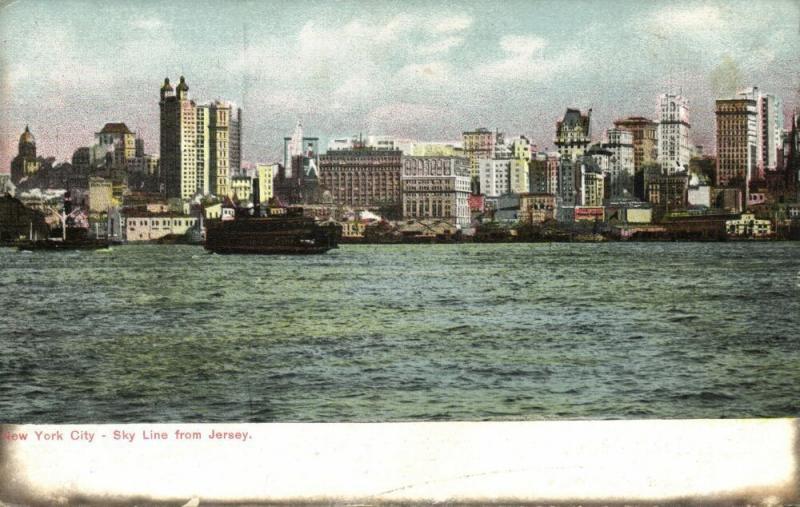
(299,145)
(494,176)
(769,130)
(265,173)
(117,141)
(154,226)
(436,188)
(479,144)
(621,166)
(645,139)
(737,142)
(748,226)
(536,207)
(674,147)
(25,164)
(519,176)
(363,177)
(573,134)
(200,144)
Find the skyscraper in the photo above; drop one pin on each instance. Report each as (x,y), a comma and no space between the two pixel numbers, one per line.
(769,125)
(621,163)
(674,148)
(200,144)
(645,139)
(573,134)
(737,142)
(479,144)
(299,145)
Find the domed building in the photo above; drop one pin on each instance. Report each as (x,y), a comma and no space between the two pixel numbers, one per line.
(25,163)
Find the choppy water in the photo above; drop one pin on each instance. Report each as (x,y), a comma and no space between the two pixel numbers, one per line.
(407,332)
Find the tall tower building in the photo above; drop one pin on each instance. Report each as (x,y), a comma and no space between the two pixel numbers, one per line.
(769,123)
(573,134)
(674,149)
(200,144)
(179,142)
(737,142)
(25,163)
(299,145)
(621,163)
(645,139)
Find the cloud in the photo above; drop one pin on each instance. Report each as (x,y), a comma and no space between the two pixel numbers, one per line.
(451,24)
(524,45)
(525,59)
(440,45)
(436,71)
(149,24)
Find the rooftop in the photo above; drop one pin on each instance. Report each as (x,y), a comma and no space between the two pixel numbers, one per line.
(115,128)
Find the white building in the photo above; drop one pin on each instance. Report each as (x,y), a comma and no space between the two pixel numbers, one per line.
(149,227)
(387,143)
(436,188)
(493,174)
(519,176)
(769,125)
(748,226)
(521,148)
(674,148)
(265,174)
(699,191)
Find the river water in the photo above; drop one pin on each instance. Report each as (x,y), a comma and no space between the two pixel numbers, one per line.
(401,332)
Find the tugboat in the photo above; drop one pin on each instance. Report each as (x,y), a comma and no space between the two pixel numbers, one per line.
(280,231)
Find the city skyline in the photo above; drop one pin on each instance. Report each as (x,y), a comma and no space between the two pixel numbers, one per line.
(429,72)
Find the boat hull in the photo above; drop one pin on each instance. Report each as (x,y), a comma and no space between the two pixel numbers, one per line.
(63,245)
(271,236)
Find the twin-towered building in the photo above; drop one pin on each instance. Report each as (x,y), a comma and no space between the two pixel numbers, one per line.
(200,143)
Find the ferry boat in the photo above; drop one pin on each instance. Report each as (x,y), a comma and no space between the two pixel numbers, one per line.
(279,231)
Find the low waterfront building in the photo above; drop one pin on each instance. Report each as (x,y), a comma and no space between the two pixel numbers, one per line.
(436,188)
(629,211)
(536,208)
(668,192)
(155,226)
(748,226)
(508,208)
(476,203)
(589,213)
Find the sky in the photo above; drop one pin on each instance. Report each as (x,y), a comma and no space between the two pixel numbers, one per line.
(425,70)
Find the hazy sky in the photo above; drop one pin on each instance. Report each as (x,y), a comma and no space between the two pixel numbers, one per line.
(424,70)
